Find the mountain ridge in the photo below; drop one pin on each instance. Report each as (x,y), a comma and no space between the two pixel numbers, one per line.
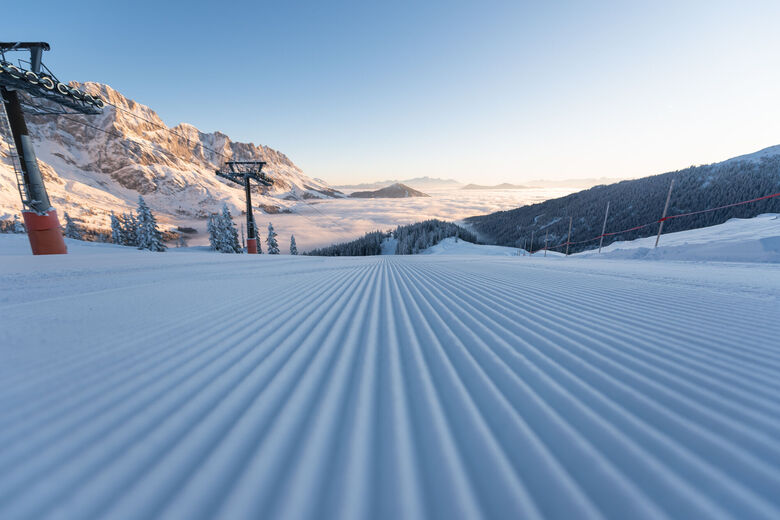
(640,201)
(97,164)
(394,191)
(416,182)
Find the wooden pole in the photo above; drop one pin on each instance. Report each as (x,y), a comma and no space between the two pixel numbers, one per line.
(545,242)
(568,239)
(604,227)
(666,208)
(532,243)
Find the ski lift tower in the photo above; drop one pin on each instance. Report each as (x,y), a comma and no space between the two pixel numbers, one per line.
(37,81)
(242,172)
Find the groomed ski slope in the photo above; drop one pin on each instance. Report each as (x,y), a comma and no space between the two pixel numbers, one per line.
(142,385)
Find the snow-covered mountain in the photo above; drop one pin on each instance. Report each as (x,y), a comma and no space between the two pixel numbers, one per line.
(126,151)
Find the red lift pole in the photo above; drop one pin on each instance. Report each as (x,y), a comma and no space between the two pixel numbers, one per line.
(40,218)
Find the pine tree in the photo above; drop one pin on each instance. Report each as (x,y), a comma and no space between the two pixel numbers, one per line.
(273,246)
(223,235)
(71,229)
(293,246)
(116,230)
(18,227)
(213,230)
(149,236)
(228,233)
(129,229)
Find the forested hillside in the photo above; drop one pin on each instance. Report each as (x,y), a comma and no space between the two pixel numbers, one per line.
(416,237)
(410,239)
(641,201)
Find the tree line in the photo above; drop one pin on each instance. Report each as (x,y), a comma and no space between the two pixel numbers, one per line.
(410,239)
(223,235)
(138,230)
(130,229)
(640,201)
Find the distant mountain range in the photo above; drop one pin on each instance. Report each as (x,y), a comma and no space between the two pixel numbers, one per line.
(394,191)
(431,183)
(641,201)
(503,186)
(422,183)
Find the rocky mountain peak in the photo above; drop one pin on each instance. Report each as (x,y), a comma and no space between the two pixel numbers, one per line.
(102,163)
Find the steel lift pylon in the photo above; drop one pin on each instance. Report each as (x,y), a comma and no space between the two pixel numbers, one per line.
(40,218)
(242,172)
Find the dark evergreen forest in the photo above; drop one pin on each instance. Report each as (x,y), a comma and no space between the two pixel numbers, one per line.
(411,239)
(640,201)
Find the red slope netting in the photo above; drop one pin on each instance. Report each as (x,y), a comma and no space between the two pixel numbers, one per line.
(661,220)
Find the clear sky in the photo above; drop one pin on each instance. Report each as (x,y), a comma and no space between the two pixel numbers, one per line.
(477,91)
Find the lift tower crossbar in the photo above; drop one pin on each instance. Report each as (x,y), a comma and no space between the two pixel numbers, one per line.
(241,173)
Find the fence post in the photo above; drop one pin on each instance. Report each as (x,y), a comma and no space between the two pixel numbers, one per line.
(604,227)
(532,243)
(663,217)
(545,242)
(568,239)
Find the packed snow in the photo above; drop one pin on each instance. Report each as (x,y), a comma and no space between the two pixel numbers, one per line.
(737,240)
(171,385)
(454,246)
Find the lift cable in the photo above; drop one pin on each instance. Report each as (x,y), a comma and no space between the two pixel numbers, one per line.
(165,127)
(168,129)
(170,155)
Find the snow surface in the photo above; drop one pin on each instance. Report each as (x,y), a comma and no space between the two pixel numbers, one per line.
(449,246)
(737,240)
(171,385)
(756,156)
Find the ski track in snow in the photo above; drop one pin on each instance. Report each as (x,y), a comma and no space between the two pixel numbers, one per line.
(389,387)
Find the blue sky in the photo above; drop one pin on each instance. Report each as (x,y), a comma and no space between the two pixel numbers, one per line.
(477,91)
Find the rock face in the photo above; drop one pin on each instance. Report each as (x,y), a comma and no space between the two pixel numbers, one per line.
(394,191)
(97,164)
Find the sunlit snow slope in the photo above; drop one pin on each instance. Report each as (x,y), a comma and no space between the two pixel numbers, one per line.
(754,239)
(184,385)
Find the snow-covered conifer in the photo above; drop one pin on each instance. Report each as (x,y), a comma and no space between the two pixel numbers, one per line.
(116,230)
(129,233)
(71,229)
(149,236)
(228,232)
(213,230)
(273,246)
(17,226)
(293,246)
